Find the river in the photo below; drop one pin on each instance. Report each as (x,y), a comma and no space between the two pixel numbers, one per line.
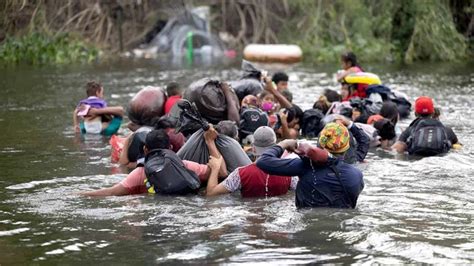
(411,210)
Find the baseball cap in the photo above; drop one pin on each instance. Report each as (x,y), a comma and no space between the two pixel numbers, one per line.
(263,138)
(424,105)
(335,138)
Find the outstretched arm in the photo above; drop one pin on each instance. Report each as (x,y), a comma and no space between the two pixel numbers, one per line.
(212,183)
(116,190)
(362,141)
(344,73)
(400,145)
(232,104)
(210,137)
(361,138)
(112,110)
(281,99)
(271,163)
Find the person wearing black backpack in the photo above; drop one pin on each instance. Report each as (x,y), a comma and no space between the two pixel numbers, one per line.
(425,136)
(156,144)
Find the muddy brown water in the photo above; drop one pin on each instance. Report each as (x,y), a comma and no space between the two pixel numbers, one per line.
(411,211)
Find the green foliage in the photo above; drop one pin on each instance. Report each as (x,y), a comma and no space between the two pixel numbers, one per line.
(38,48)
(434,35)
(376,30)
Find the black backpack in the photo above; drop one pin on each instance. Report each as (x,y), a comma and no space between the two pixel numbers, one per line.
(252,118)
(166,174)
(428,138)
(311,124)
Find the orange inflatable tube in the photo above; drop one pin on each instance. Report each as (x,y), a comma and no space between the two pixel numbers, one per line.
(273,53)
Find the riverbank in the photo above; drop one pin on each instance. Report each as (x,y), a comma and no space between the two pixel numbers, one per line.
(377,31)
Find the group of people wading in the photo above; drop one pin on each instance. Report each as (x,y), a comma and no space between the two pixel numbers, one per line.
(247,135)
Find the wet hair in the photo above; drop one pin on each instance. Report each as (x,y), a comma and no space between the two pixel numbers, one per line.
(389,110)
(92,88)
(173,88)
(288,95)
(332,95)
(349,57)
(385,129)
(279,76)
(228,128)
(297,113)
(157,139)
(322,104)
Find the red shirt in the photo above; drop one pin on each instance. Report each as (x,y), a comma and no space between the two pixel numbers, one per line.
(360,87)
(170,102)
(256,183)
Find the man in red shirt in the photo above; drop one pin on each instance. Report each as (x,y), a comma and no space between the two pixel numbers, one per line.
(134,183)
(175,93)
(250,180)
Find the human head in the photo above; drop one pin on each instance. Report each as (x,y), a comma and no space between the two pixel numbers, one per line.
(385,129)
(173,89)
(249,100)
(348,60)
(332,95)
(281,80)
(424,106)
(334,138)
(389,110)
(347,89)
(94,89)
(263,138)
(266,96)
(288,95)
(297,116)
(322,104)
(157,139)
(267,101)
(228,128)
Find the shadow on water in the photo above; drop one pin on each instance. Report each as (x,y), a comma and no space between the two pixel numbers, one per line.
(411,211)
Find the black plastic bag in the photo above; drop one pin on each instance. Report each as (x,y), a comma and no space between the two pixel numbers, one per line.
(311,123)
(209,99)
(249,83)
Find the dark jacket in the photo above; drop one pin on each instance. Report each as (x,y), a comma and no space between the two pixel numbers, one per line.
(318,186)
(359,145)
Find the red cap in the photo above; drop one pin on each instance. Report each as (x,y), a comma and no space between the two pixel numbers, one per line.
(424,105)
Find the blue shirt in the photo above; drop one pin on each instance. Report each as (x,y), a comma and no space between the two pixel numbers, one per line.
(318,185)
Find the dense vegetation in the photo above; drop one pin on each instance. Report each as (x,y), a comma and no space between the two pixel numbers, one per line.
(377,30)
(40,49)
